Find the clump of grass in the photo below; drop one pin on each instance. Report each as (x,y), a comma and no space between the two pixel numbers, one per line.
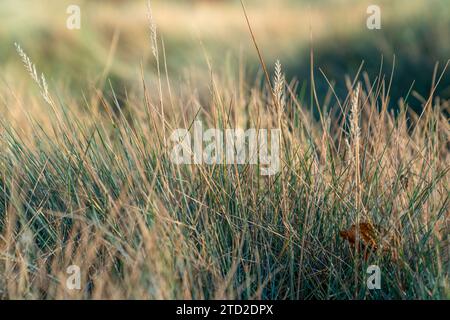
(95,187)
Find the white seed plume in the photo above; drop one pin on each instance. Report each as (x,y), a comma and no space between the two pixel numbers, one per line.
(31,68)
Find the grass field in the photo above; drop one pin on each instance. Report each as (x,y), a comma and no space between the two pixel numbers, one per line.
(86,177)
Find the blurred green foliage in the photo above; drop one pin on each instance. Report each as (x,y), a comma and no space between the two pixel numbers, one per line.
(416,32)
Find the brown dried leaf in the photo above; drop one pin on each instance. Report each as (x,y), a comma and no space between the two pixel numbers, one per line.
(366,235)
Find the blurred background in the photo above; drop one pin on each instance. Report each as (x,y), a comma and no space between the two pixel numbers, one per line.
(114,41)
